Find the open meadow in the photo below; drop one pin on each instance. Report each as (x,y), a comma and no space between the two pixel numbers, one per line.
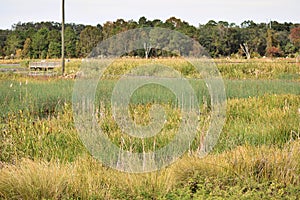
(256,157)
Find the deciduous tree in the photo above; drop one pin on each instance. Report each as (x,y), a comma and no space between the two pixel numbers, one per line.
(295,36)
(89,39)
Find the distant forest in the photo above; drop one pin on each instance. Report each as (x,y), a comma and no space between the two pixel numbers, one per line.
(221,39)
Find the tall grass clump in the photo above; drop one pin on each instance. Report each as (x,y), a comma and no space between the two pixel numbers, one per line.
(52,137)
(265,120)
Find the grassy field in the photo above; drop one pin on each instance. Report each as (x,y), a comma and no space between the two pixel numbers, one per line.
(256,157)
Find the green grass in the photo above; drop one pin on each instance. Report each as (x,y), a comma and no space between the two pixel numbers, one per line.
(256,157)
(42,97)
(38,97)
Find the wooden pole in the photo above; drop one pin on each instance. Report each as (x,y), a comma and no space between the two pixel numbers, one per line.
(63,38)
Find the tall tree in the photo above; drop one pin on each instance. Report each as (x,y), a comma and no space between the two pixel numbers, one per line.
(70,42)
(272,50)
(54,47)
(3,36)
(13,42)
(54,50)
(89,39)
(40,43)
(143,22)
(54,36)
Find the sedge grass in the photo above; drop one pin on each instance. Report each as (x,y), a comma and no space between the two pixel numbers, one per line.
(244,172)
(42,157)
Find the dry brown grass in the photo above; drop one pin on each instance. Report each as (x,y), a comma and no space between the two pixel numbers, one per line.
(86,178)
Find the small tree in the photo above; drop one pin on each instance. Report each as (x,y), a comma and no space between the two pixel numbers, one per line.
(274,52)
(19,53)
(26,48)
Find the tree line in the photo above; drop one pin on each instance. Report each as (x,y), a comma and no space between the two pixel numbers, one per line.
(221,39)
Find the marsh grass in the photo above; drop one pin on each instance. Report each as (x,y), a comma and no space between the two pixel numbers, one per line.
(52,163)
(29,179)
(42,156)
(44,97)
(244,172)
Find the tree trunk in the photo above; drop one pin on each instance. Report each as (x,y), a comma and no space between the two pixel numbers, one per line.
(147,48)
(245,50)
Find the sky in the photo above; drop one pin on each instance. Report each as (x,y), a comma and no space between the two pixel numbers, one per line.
(195,12)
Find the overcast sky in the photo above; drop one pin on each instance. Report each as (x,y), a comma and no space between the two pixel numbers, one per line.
(193,11)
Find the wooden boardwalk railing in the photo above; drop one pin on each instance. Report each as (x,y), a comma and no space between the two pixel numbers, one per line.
(43,68)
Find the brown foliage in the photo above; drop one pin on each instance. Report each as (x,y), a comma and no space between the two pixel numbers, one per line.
(295,36)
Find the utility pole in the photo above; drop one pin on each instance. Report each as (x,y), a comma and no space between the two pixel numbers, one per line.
(63,38)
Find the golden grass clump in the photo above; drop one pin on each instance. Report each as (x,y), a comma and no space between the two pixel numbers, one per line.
(29,179)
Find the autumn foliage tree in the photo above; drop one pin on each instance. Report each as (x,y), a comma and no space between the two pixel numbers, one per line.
(274,51)
(295,36)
